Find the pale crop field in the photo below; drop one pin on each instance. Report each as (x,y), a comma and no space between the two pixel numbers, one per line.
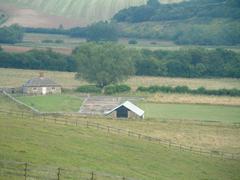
(89,10)
(16,77)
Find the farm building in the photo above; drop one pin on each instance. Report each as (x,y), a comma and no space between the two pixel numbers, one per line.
(41,86)
(126,110)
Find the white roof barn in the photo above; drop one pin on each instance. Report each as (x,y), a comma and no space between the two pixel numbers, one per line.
(126,110)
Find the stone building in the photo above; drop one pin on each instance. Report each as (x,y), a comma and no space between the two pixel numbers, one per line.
(126,110)
(41,86)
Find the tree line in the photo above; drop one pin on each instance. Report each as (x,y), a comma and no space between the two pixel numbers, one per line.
(12,34)
(101,62)
(205,22)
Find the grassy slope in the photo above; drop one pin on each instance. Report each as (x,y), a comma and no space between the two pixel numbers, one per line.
(51,144)
(91,9)
(53,103)
(192,112)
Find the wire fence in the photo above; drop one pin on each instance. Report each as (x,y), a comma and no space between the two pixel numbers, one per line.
(64,120)
(24,170)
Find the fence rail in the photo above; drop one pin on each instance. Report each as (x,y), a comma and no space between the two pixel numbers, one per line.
(113,130)
(12,169)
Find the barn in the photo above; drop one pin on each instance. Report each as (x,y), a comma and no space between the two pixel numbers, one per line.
(41,86)
(126,110)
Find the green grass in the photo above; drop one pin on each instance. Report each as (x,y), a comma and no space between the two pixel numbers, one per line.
(55,145)
(53,103)
(230,114)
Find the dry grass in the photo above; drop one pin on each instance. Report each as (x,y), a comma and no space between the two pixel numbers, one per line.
(193,99)
(17,77)
(20,49)
(192,133)
(213,83)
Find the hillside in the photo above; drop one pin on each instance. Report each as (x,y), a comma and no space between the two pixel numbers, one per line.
(47,144)
(40,13)
(205,22)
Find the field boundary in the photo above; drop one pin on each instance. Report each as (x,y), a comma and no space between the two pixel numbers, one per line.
(21,103)
(29,170)
(119,131)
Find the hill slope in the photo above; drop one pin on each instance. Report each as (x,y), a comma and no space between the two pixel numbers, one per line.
(81,12)
(46,143)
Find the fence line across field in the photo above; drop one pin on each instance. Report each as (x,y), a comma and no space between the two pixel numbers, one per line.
(109,129)
(28,171)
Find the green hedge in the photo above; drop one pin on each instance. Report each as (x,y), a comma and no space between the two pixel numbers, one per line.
(89,89)
(113,89)
(185,89)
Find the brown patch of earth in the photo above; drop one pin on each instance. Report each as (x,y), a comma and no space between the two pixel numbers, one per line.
(32,18)
(19,49)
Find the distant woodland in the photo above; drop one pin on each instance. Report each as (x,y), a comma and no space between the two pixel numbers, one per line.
(205,22)
(197,62)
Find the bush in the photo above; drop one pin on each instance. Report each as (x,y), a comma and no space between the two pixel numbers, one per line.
(89,89)
(132,41)
(185,89)
(47,41)
(113,89)
(59,41)
(181,89)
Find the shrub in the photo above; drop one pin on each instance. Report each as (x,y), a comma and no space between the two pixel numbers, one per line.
(132,41)
(89,89)
(59,41)
(181,89)
(113,89)
(47,41)
(185,89)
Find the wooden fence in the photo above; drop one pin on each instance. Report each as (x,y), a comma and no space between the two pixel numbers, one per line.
(113,130)
(12,169)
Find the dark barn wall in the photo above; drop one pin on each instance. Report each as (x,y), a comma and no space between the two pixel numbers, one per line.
(122,112)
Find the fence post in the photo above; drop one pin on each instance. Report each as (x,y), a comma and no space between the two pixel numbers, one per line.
(108,129)
(87,124)
(92,176)
(76,123)
(139,136)
(25,170)
(59,173)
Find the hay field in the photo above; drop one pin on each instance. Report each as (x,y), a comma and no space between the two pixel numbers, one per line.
(51,13)
(17,77)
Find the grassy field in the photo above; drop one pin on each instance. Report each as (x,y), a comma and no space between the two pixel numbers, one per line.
(53,103)
(50,144)
(34,40)
(230,114)
(16,77)
(211,135)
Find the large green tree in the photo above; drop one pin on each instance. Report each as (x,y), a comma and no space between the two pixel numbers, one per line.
(12,34)
(103,64)
(102,31)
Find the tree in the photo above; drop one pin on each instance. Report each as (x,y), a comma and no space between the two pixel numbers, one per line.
(153,3)
(102,31)
(11,34)
(103,64)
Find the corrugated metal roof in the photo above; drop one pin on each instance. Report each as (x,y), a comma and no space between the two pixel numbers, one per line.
(40,82)
(129,106)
